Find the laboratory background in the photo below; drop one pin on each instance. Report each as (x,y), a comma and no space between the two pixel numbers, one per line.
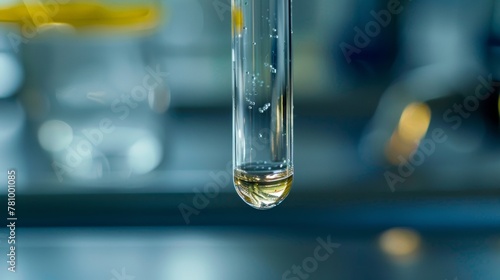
(116,143)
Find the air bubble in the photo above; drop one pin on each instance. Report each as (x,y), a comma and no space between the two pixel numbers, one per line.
(265,107)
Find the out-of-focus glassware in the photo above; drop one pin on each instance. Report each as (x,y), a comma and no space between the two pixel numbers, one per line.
(88,91)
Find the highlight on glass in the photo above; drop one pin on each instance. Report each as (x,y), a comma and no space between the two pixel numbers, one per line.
(262,101)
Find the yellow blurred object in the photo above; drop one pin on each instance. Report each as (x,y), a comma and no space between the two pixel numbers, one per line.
(398,149)
(237,20)
(400,242)
(414,122)
(82,14)
(412,127)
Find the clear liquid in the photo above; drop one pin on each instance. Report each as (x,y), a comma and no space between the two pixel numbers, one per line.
(262,101)
(263,189)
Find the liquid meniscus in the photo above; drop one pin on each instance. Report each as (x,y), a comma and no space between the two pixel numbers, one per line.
(263,189)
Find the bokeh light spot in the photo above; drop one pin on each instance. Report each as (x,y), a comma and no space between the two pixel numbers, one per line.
(400,242)
(55,135)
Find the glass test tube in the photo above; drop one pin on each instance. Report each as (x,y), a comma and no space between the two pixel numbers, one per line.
(262,101)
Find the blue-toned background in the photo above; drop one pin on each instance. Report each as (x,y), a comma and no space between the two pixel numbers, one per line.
(121,133)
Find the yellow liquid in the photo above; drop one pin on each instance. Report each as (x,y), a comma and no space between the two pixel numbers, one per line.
(263,191)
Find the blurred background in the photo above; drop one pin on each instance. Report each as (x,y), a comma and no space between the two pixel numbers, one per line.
(116,116)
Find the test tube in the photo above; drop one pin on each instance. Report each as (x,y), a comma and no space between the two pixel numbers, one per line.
(262,101)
